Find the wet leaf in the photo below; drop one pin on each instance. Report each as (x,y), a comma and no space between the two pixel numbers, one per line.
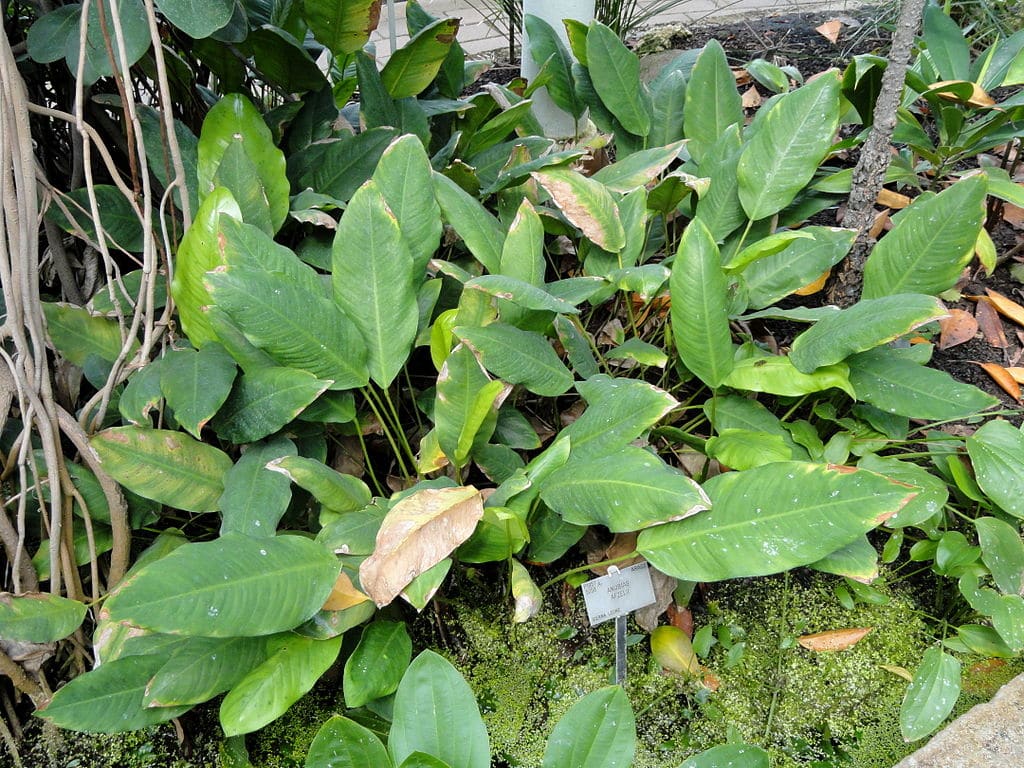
(931,695)
(833,639)
(997,453)
(958,328)
(38,618)
(375,667)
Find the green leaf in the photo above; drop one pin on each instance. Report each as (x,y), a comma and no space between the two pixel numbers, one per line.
(373,282)
(1005,611)
(791,141)
(375,667)
(551,536)
(234,120)
(353,533)
(336,491)
(712,101)
(771,519)
(857,560)
(930,243)
(587,204)
(668,102)
(997,454)
(897,385)
(465,402)
(932,493)
(343,743)
(339,167)
(598,731)
(548,51)
(519,357)
(121,225)
(195,384)
(700,314)
(34,617)
(78,334)
(283,60)
(746,449)
(639,168)
(109,698)
(203,667)
(522,255)
(415,65)
(728,756)
(197,18)
(867,324)
(1002,551)
(626,491)
(266,693)
(947,48)
(403,177)
(423,760)
(300,329)
(135,33)
(432,696)
(233,586)
(264,400)
(520,292)
(778,376)
(255,499)
(169,467)
(483,234)
(344,27)
(932,694)
(766,246)
(615,72)
(48,36)
(421,590)
(798,264)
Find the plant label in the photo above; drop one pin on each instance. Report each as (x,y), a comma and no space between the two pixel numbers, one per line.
(619,593)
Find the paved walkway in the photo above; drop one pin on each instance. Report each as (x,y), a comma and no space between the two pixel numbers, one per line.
(484,25)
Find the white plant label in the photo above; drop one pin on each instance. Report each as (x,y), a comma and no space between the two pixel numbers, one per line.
(619,593)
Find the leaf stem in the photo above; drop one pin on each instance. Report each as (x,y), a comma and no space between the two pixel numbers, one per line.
(587,567)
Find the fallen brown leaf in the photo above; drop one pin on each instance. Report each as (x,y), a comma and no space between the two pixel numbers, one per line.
(958,328)
(891,199)
(1003,378)
(879,224)
(1006,307)
(664,585)
(990,323)
(834,639)
(741,76)
(1017,374)
(830,30)
(1013,215)
(622,544)
(682,617)
(751,98)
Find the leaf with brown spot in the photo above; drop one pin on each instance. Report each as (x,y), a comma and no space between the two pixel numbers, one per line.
(958,328)
(990,324)
(418,532)
(587,204)
(1006,307)
(751,99)
(343,595)
(1003,378)
(830,30)
(890,199)
(834,639)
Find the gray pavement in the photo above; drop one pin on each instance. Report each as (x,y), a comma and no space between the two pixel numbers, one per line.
(484,25)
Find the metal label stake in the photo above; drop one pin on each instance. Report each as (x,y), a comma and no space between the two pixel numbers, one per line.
(615,596)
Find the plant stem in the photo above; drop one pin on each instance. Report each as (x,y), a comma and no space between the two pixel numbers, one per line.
(587,567)
(776,687)
(371,400)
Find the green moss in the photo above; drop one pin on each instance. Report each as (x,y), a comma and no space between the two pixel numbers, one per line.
(285,742)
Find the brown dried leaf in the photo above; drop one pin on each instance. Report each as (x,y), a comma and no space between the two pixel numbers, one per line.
(879,224)
(419,532)
(647,617)
(817,285)
(682,617)
(891,199)
(834,639)
(978,97)
(741,76)
(622,544)
(1006,307)
(751,98)
(990,324)
(1017,374)
(1003,378)
(830,30)
(958,328)
(1013,215)
(343,595)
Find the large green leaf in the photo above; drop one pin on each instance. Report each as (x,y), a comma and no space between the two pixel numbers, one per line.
(464,404)
(121,225)
(896,385)
(932,492)
(639,168)
(522,255)
(1002,551)
(299,328)
(377,664)
(790,142)
(254,498)
(867,324)
(233,586)
(1005,611)
(373,282)
(197,18)
(776,375)
(598,731)
(547,49)
(587,204)
(403,177)
(47,38)
(932,694)
(98,41)
(195,384)
(344,27)
(264,400)
(78,334)
(336,491)
(712,101)
(519,357)
(626,491)
(432,696)
(997,455)
(520,292)
(801,262)
(343,743)
(109,698)
(267,691)
(415,65)
(668,104)
(700,314)
(234,120)
(169,467)
(930,242)
(947,47)
(483,233)
(35,617)
(615,73)
(771,519)
(730,756)
(202,667)
(339,167)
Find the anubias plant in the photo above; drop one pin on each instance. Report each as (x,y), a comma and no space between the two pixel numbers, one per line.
(487,352)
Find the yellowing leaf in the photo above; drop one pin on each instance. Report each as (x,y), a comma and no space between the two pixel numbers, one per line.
(985,250)
(978,97)
(528,597)
(673,650)
(1003,378)
(891,199)
(834,639)
(343,595)
(898,671)
(814,287)
(419,532)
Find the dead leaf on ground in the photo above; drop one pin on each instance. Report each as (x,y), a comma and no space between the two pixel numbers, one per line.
(898,671)
(990,323)
(343,595)
(958,328)
(880,223)
(419,532)
(622,544)
(1013,215)
(1006,307)
(741,76)
(1017,374)
(890,199)
(830,30)
(1003,378)
(664,585)
(682,617)
(833,639)
(751,98)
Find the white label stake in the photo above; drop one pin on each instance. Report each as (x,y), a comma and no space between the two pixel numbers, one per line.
(615,596)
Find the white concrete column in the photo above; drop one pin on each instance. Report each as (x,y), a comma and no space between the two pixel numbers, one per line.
(557,123)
